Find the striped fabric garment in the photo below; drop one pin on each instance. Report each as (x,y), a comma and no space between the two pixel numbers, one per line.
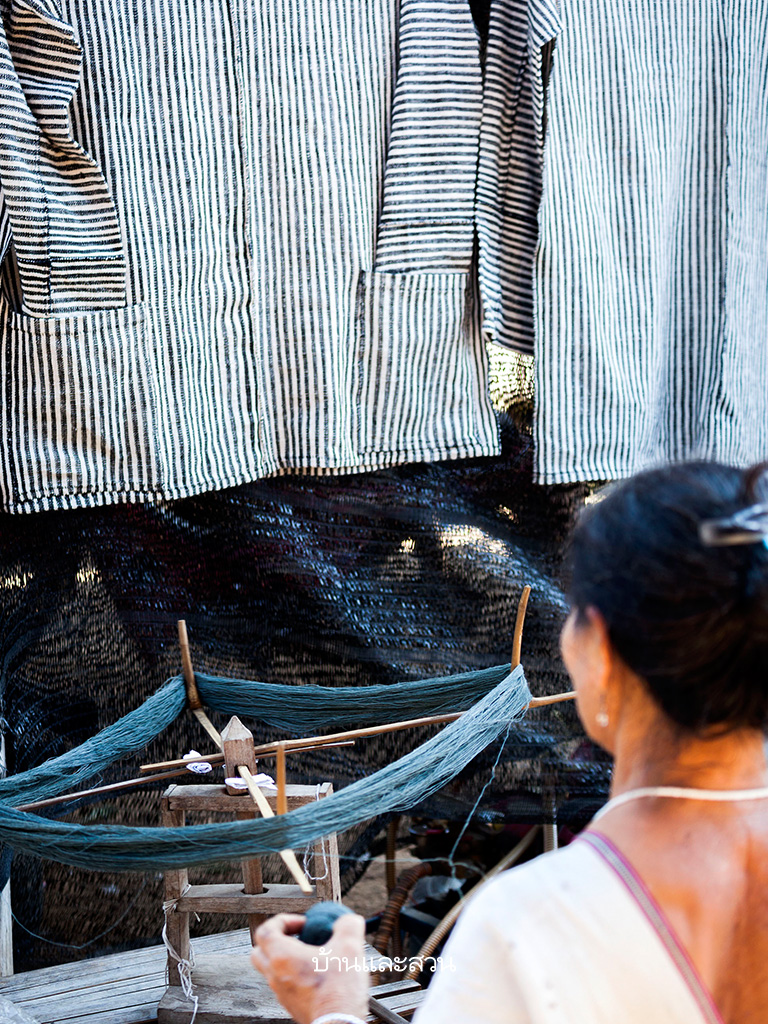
(652,275)
(247,238)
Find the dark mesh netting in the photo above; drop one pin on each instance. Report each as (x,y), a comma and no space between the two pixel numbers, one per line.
(353,580)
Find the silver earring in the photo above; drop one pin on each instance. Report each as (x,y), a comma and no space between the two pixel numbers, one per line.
(602,715)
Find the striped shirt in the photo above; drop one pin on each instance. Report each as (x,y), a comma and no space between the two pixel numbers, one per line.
(248,238)
(652,275)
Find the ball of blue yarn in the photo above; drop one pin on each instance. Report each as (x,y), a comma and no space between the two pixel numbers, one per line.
(318,926)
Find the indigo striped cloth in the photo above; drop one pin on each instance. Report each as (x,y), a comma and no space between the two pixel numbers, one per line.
(652,275)
(246,238)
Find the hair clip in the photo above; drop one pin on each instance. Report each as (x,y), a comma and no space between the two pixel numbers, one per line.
(748,526)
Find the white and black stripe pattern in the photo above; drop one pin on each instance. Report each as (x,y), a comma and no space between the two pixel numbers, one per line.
(428,216)
(64,223)
(652,292)
(244,246)
(85,395)
(510,164)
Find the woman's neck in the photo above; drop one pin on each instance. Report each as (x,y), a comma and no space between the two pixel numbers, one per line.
(650,750)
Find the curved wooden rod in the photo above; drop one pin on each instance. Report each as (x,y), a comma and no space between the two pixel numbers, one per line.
(517,636)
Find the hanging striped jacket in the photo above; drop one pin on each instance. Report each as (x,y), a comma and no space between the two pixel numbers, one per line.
(246,238)
(652,276)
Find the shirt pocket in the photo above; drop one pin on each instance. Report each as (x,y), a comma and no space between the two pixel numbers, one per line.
(427,217)
(65,229)
(77,411)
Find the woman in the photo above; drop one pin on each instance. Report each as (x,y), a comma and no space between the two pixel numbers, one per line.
(658,913)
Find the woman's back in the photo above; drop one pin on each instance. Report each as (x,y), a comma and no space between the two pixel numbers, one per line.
(706,865)
(572,937)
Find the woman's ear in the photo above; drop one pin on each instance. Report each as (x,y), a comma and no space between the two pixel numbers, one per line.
(600,650)
(592,663)
(586,647)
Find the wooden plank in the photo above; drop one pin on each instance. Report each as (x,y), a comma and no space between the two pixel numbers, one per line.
(11,1013)
(77,976)
(391,988)
(227,995)
(123,988)
(152,975)
(129,1015)
(404,1003)
(75,1007)
(229,898)
(134,962)
(215,799)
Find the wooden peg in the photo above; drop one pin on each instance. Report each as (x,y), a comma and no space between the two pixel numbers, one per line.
(517,639)
(282,799)
(237,743)
(193,695)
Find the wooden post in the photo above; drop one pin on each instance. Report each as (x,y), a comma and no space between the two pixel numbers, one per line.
(288,856)
(6,919)
(237,742)
(325,861)
(175,884)
(253,883)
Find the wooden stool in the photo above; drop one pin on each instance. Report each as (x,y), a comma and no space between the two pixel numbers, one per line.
(251,897)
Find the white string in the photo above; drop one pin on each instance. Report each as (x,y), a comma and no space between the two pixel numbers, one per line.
(453,864)
(683,793)
(83,945)
(184,966)
(309,852)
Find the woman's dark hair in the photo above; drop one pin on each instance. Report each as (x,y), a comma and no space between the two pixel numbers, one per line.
(690,620)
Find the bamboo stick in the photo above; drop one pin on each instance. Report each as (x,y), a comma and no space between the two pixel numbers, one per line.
(289,857)
(517,637)
(193,695)
(556,698)
(115,787)
(353,734)
(282,799)
(178,767)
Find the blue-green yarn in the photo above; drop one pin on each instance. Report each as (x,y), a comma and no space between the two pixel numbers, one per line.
(302,709)
(128,734)
(397,787)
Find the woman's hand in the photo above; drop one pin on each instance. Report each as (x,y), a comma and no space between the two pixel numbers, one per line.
(314,980)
